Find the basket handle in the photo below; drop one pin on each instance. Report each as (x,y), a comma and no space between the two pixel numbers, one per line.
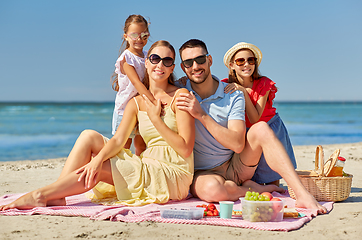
(329,164)
(319,155)
(325,167)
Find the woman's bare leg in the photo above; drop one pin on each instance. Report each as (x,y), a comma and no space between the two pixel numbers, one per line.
(66,186)
(88,144)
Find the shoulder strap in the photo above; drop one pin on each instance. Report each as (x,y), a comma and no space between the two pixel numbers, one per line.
(138,108)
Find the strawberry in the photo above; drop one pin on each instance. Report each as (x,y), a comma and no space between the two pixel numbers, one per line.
(216,212)
(211,206)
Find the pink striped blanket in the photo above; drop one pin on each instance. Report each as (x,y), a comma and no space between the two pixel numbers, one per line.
(79,205)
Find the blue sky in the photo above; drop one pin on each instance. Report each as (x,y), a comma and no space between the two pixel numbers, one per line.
(65,50)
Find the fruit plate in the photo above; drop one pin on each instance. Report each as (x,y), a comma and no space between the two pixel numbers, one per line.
(262,211)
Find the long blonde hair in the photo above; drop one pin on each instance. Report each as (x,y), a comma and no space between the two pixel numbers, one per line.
(138,19)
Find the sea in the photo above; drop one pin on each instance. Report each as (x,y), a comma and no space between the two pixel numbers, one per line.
(31,131)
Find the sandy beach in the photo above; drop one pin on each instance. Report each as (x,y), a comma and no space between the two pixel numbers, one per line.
(343,222)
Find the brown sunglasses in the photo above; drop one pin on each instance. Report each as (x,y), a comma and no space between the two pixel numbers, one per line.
(242,61)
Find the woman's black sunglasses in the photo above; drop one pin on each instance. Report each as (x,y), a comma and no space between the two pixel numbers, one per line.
(199,60)
(155,59)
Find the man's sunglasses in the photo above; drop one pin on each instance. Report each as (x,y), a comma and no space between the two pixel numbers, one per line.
(242,61)
(199,60)
(134,36)
(155,59)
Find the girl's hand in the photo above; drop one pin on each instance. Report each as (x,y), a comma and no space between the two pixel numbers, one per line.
(232,87)
(182,80)
(90,173)
(153,110)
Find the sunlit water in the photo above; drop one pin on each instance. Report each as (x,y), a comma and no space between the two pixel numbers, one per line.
(49,130)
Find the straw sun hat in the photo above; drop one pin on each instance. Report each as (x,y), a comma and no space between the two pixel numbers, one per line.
(241,45)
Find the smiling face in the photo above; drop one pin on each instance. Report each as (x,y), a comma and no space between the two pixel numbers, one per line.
(136,46)
(159,72)
(197,73)
(245,71)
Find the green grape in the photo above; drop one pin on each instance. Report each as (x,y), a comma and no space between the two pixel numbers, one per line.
(248,194)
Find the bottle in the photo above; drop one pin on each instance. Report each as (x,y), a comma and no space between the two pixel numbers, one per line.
(337,170)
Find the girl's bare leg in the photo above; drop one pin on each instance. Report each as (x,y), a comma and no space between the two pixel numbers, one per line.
(139,145)
(127,145)
(66,186)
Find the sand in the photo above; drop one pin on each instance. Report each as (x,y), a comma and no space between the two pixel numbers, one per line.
(343,222)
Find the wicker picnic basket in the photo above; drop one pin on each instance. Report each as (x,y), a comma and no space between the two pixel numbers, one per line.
(325,188)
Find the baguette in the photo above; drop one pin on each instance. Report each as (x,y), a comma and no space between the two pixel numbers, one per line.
(290,213)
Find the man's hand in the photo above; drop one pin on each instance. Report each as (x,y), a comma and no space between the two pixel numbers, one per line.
(189,103)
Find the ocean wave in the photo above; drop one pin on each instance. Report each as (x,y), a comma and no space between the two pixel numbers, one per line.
(25,141)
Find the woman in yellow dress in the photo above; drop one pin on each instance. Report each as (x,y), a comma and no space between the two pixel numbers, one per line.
(162,172)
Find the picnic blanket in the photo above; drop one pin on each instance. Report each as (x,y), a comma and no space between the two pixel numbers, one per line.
(79,205)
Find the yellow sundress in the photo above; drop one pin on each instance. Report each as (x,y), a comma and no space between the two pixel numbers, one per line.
(160,174)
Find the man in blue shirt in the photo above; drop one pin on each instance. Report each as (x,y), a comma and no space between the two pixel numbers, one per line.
(225,157)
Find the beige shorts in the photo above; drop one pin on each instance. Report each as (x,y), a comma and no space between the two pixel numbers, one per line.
(232,169)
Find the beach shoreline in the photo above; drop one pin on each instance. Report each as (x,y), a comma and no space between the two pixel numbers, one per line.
(343,221)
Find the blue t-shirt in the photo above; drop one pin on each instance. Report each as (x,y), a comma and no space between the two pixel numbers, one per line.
(222,107)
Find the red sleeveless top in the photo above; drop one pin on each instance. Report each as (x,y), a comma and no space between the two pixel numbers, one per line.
(259,89)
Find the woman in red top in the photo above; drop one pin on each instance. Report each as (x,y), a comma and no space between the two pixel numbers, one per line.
(243,61)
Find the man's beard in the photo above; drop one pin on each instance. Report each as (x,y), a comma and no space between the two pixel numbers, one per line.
(203,80)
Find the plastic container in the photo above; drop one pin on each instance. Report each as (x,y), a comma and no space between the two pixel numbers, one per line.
(262,211)
(337,170)
(194,213)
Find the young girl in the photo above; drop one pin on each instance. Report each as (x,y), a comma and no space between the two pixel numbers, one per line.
(129,73)
(243,61)
(163,172)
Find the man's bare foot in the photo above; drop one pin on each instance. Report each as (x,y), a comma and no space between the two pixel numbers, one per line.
(253,186)
(309,202)
(276,183)
(28,201)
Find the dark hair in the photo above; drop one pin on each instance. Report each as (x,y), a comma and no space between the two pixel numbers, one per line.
(192,43)
(138,19)
(160,43)
(232,74)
